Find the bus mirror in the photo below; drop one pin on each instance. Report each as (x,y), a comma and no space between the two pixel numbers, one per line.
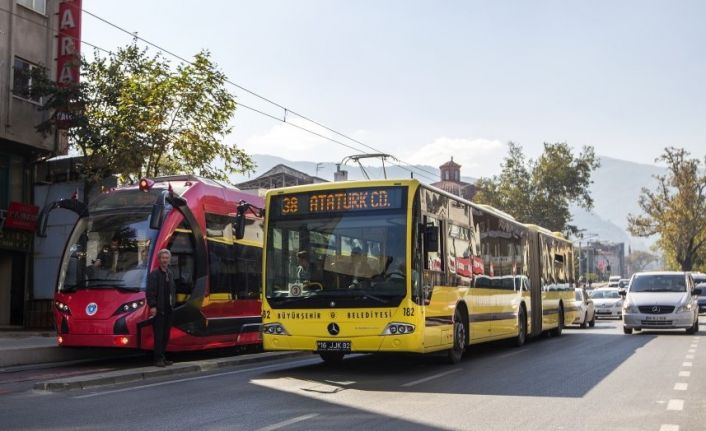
(431,239)
(156,216)
(239,226)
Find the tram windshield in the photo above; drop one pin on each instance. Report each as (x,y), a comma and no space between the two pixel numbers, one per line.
(108,249)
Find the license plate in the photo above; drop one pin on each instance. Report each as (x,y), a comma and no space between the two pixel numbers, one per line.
(333,346)
(656,318)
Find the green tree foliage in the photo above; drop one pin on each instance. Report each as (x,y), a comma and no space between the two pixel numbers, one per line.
(676,210)
(639,260)
(136,115)
(540,191)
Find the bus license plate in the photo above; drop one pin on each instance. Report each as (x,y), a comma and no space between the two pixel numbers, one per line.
(333,346)
(656,317)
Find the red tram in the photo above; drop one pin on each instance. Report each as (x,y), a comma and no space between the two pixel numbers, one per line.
(100,296)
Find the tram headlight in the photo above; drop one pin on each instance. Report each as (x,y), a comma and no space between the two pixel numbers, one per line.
(274,329)
(396,328)
(129,307)
(63,308)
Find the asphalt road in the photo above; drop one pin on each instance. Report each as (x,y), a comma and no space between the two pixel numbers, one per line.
(594,379)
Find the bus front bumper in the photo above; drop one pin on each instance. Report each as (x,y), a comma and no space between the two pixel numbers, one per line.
(365,344)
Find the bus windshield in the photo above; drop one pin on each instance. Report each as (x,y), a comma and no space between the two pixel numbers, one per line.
(108,249)
(355,259)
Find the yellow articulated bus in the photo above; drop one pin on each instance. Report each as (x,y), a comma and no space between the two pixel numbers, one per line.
(399,266)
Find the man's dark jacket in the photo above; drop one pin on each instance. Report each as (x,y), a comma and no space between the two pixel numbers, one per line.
(161,290)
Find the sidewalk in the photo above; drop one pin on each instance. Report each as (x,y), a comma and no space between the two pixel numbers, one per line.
(21,347)
(132,375)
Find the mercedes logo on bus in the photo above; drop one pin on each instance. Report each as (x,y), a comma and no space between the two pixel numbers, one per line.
(655,309)
(333,329)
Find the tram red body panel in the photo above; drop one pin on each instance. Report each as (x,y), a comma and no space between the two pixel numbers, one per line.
(96,317)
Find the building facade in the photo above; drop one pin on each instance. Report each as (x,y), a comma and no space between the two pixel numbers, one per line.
(279,176)
(451,181)
(28,40)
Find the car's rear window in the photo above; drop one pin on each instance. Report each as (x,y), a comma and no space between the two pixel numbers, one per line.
(658,283)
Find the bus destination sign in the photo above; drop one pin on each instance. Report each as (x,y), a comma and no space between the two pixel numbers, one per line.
(338,201)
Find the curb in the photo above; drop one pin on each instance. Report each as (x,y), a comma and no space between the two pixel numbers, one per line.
(25,356)
(148,373)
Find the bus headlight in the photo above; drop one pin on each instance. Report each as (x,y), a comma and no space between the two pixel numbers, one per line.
(274,329)
(62,307)
(129,307)
(396,328)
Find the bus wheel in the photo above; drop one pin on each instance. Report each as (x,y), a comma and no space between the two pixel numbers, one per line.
(332,358)
(521,327)
(459,330)
(560,325)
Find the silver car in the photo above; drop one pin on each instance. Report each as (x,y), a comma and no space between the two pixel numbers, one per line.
(661,300)
(608,302)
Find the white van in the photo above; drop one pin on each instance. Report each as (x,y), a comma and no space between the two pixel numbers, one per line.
(661,300)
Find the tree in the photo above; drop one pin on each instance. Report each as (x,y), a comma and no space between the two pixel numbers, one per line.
(540,191)
(639,260)
(676,210)
(135,115)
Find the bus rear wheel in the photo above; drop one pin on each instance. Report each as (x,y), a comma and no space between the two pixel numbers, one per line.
(455,353)
(521,327)
(332,358)
(560,324)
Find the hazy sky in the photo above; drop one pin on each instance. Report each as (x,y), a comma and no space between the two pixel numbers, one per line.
(425,80)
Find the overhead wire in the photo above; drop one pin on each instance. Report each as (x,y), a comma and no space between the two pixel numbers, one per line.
(420,171)
(268,100)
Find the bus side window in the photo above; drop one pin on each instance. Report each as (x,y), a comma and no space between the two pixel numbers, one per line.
(182,264)
(248,273)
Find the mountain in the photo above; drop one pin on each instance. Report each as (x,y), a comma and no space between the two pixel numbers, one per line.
(615,190)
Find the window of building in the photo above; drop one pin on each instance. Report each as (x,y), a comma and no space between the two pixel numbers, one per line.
(22,79)
(36,5)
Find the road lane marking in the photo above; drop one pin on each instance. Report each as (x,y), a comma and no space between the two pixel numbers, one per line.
(288,422)
(188,379)
(435,376)
(684,373)
(675,405)
(506,355)
(687,364)
(669,427)
(681,386)
(692,350)
(689,356)
(693,346)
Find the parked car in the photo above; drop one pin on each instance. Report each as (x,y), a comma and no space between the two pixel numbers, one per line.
(661,300)
(586,315)
(608,302)
(700,282)
(614,281)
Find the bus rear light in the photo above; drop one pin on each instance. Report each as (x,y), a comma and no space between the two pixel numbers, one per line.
(121,341)
(274,329)
(146,184)
(60,340)
(395,328)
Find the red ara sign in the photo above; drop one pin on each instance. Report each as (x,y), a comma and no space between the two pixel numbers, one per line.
(68,61)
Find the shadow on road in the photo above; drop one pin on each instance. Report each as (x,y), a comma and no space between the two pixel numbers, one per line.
(567,366)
